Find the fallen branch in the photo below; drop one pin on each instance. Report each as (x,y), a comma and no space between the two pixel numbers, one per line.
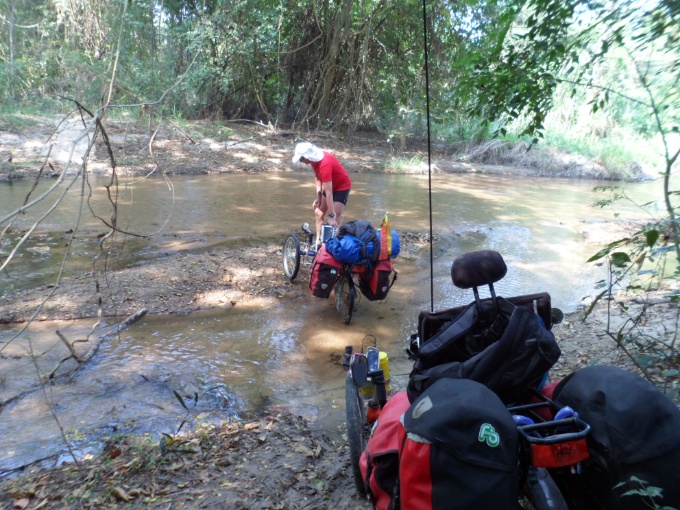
(120,327)
(82,361)
(69,346)
(128,322)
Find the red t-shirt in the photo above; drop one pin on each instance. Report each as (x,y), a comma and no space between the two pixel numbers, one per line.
(330,169)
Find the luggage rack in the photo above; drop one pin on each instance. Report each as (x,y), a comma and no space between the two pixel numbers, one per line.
(551,443)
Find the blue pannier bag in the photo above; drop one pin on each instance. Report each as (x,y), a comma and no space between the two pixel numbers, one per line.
(346,250)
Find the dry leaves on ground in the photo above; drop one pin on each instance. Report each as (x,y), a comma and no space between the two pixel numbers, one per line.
(273,463)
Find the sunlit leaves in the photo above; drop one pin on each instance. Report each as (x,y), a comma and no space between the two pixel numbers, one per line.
(602,253)
(581,41)
(652,237)
(363,62)
(620,259)
(617,257)
(180,399)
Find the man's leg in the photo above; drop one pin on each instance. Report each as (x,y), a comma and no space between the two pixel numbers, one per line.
(319,212)
(338,209)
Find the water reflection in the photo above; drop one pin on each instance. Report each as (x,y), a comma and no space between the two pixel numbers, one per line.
(280,354)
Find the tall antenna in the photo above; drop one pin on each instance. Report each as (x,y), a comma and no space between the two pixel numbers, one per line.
(429,159)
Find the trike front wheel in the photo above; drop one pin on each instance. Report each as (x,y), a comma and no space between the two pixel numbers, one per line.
(291,256)
(356,417)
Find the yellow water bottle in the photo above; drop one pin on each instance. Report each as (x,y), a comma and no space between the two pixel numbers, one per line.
(385,367)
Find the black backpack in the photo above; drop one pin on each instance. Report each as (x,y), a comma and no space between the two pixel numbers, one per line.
(510,354)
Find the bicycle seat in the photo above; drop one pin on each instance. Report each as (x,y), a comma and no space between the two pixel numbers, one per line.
(476,268)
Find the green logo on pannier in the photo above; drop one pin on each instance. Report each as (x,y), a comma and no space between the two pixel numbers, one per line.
(489,435)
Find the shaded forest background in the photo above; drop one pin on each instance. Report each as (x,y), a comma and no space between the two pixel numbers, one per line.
(592,78)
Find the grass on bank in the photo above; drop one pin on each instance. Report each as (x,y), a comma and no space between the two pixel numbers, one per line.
(414,165)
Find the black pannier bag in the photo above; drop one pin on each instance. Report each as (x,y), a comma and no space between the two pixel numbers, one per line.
(460,451)
(510,354)
(635,432)
(374,283)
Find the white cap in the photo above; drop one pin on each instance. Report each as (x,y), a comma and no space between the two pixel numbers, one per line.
(308,151)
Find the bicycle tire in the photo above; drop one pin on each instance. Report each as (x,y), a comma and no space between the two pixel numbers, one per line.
(542,491)
(345,294)
(356,417)
(291,256)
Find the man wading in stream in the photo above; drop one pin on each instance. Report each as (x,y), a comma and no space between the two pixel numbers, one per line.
(332,184)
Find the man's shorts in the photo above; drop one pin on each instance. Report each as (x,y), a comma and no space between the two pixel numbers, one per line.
(340,196)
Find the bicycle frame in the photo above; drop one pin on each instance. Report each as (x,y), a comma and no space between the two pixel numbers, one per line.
(302,251)
(374,387)
(307,247)
(362,411)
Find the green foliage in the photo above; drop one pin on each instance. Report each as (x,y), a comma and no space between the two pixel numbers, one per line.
(620,61)
(598,51)
(415,165)
(195,397)
(637,265)
(642,489)
(343,65)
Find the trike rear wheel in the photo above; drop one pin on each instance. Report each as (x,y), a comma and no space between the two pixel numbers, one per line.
(291,256)
(345,294)
(542,491)
(356,417)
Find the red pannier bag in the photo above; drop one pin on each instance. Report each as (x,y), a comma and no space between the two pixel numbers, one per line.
(379,462)
(324,273)
(375,284)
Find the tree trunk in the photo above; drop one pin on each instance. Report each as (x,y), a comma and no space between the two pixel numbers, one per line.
(11,47)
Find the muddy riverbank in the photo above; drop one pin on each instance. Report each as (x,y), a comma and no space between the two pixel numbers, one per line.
(31,145)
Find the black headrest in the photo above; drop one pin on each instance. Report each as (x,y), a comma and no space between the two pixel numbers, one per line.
(478,268)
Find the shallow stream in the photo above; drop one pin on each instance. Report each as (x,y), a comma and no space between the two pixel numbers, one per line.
(275,354)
